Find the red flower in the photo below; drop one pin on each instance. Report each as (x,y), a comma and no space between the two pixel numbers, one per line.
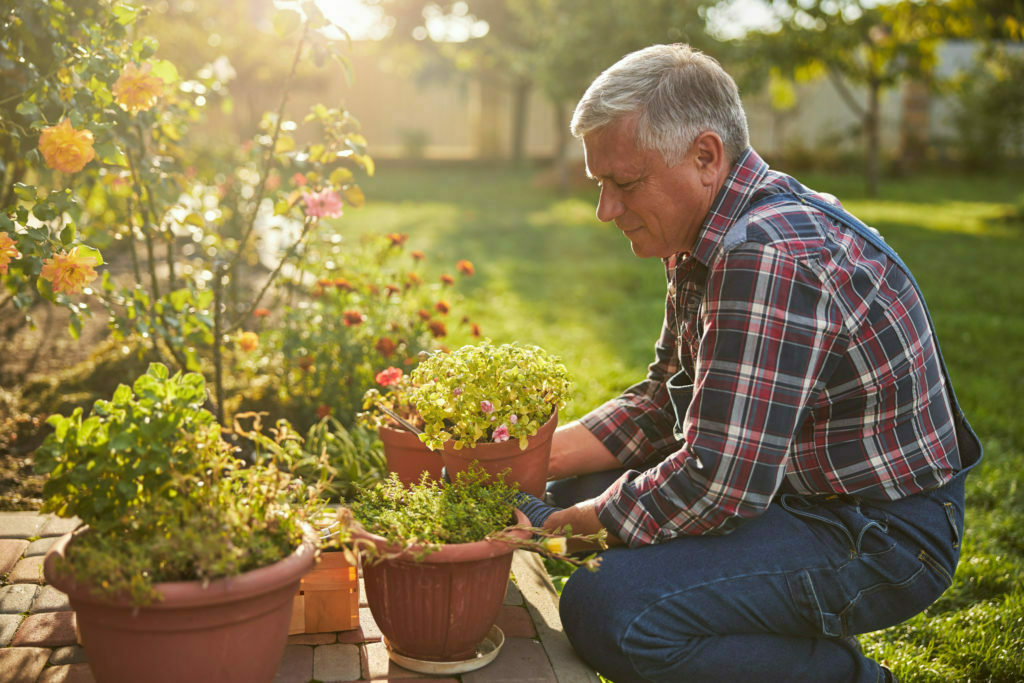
(385,346)
(443,307)
(299,179)
(475,330)
(391,289)
(414,278)
(437,328)
(447,279)
(343,284)
(305,363)
(397,239)
(325,282)
(465,266)
(424,314)
(261,312)
(387,377)
(323,411)
(353,317)
(418,255)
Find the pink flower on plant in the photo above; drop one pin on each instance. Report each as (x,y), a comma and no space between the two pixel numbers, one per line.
(486,406)
(500,434)
(322,204)
(386,378)
(513,419)
(457,391)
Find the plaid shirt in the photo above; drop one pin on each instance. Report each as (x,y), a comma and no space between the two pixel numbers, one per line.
(800,360)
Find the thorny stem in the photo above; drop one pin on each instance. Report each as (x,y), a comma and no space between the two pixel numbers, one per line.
(218,361)
(153,213)
(306,227)
(131,243)
(269,154)
(146,232)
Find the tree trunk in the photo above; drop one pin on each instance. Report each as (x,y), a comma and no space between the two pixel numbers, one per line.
(520,111)
(561,142)
(871,126)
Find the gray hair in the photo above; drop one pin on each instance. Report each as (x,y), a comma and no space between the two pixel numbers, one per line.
(676,92)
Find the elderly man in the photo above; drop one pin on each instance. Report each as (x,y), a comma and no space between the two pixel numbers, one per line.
(791,471)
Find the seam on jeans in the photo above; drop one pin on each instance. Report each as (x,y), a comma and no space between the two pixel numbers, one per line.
(934,564)
(656,603)
(843,615)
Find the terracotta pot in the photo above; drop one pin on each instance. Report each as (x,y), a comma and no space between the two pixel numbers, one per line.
(407,456)
(442,607)
(529,468)
(233,631)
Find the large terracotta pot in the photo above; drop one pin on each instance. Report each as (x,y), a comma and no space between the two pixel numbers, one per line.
(528,468)
(441,607)
(407,456)
(232,631)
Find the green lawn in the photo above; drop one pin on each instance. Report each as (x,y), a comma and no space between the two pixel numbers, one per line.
(549,273)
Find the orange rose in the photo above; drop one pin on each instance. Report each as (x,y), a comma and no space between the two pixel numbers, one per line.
(69,272)
(248,341)
(8,251)
(65,149)
(137,89)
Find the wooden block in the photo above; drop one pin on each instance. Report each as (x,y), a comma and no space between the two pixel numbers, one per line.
(333,610)
(298,620)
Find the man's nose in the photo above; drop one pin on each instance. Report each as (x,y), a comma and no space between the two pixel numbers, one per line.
(609,204)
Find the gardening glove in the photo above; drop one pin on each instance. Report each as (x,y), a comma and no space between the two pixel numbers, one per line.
(535,509)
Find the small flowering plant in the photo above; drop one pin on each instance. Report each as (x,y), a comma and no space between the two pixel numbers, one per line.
(479,393)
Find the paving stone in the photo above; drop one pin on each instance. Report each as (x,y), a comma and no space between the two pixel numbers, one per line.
(40,546)
(67,673)
(313,639)
(362,593)
(17,598)
(20,524)
(28,570)
(70,654)
(515,622)
(11,550)
(50,599)
(22,664)
(58,526)
(377,665)
(512,594)
(296,665)
(8,627)
(339,662)
(49,629)
(368,625)
(521,660)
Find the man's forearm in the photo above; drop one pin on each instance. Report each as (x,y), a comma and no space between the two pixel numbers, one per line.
(575,450)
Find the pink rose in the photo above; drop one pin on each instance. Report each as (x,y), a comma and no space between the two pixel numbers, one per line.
(500,434)
(486,406)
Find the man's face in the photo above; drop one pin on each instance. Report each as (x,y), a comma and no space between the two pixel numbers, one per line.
(659,209)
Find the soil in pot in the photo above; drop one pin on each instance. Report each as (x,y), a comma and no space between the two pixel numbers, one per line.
(232,631)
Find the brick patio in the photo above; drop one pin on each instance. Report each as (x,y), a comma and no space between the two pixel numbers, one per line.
(38,645)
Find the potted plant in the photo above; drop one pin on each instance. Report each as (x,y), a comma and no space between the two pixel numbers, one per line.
(497,405)
(436,557)
(189,560)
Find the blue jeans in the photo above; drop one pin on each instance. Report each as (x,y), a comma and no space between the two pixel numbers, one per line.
(772,601)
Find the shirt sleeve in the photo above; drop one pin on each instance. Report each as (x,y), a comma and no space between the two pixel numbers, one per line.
(639,424)
(772,334)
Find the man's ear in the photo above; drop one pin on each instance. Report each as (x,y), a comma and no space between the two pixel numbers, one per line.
(710,157)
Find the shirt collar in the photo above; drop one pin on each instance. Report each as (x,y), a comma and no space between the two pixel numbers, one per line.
(730,203)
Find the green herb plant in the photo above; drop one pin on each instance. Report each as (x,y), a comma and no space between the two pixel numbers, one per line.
(479,393)
(163,494)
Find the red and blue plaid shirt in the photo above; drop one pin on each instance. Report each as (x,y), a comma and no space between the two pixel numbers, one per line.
(801,360)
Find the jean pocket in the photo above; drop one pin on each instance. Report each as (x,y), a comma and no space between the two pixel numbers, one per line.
(873,590)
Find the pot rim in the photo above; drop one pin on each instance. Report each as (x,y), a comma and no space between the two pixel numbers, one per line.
(448,552)
(178,594)
(404,435)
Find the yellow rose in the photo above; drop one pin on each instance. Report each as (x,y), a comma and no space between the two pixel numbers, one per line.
(248,341)
(66,149)
(137,89)
(69,272)
(8,251)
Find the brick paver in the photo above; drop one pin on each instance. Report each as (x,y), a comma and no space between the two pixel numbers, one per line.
(21,524)
(67,673)
(40,546)
(49,629)
(296,665)
(22,664)
(515,622)
(11,550)
(17,598)
(377,665)
(338,662)
(50,599)
(8,627)
(69,654)
(368,626)
(28,570)
(58,526)
(521,660)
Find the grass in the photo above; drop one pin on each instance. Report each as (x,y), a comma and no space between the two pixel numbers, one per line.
(549,273)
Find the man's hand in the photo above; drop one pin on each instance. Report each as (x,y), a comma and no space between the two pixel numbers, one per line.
(582,517)
(575,450)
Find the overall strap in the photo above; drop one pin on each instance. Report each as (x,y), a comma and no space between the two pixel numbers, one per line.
(967,440)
